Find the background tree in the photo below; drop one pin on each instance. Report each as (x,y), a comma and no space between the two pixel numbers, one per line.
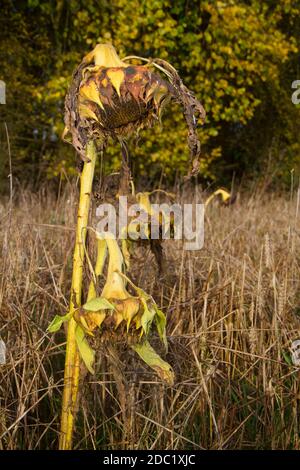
(240,57)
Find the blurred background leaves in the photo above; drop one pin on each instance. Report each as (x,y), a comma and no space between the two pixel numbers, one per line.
(239,57)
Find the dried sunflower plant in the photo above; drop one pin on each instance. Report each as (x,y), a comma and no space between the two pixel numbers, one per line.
(110,98)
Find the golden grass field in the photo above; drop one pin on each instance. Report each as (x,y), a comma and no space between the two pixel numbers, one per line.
(233,309)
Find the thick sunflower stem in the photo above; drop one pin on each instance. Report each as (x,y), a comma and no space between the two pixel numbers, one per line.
(72,363)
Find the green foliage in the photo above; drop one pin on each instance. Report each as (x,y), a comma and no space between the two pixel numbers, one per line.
(87,354)
(150,357)
(239,57)
(99,303)
(161,321)
(57,321)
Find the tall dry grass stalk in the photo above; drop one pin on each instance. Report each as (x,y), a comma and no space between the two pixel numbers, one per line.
(233,310)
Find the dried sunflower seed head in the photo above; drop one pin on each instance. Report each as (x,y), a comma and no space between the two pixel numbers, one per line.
(109,97)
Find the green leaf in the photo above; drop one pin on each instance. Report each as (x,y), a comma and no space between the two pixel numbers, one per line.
(287,358)
(33,3)
(58,321)
(86,352)
(150,357)
(160,320)
(147,317)
(99,303)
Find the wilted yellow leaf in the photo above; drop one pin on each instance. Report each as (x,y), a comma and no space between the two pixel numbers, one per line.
(96,318)
(90,92)
(225,195)
(104,55)
(150,357)
(116,77)
(86,352)
(86,112)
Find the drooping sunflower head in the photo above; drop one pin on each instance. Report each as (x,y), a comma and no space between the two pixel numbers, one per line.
(116,101)
(109,97)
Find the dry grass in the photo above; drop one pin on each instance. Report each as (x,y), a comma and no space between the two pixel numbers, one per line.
(233,310)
